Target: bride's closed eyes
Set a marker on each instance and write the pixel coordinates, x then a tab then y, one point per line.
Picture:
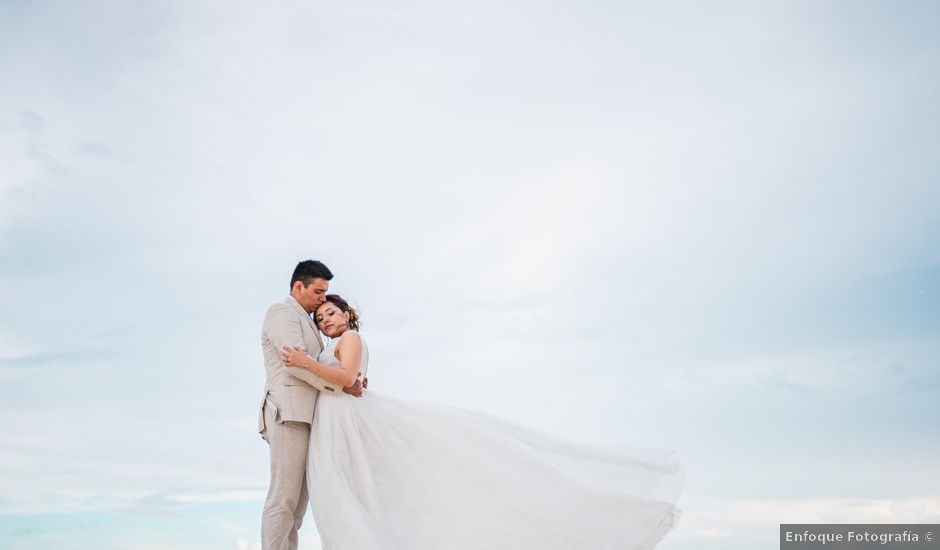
331	319
326	317
329	312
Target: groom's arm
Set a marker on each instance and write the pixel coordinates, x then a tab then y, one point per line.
283	328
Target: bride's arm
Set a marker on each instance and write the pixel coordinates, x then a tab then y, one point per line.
282	327
348	351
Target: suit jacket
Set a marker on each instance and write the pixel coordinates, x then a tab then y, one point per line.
292	391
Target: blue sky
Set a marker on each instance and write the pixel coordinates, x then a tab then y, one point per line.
711	229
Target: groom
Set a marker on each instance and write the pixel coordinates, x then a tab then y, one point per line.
290	395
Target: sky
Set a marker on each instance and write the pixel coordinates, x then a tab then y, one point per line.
704	227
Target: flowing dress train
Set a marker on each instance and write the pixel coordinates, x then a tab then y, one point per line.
391	474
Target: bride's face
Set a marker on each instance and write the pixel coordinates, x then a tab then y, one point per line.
331	320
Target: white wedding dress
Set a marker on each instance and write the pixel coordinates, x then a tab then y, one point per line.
389	474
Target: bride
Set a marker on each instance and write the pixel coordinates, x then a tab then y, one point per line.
389	474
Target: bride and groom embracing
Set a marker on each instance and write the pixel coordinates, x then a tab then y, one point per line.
390	474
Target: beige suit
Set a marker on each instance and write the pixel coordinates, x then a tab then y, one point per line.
285	417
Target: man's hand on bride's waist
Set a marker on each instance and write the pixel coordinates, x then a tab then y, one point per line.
356	389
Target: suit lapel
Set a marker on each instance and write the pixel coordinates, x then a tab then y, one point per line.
303	313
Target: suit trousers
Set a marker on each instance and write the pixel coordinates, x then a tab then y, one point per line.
287	499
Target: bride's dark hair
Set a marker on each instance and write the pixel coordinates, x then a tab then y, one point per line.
344	306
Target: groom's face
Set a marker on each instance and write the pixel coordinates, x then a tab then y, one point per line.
312	295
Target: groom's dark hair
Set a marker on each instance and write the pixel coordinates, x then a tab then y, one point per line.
308	270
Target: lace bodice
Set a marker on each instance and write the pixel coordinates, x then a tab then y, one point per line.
328	355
